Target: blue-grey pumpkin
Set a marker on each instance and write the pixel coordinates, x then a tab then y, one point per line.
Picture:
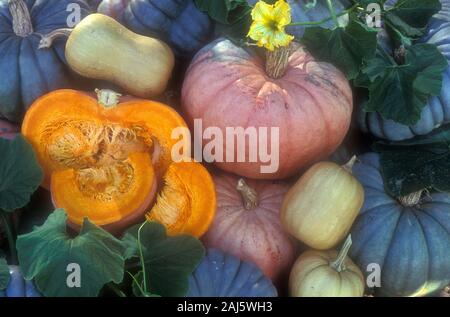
312	10
224	275
18	286
437	110
178	22
27	72
409	238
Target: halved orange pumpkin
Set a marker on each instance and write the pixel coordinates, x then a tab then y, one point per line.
97	153
187	202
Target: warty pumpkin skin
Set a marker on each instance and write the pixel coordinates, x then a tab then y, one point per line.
321	207
247	224
98	153
227	86
326	274
187	201
101	48
409	238
26	71
177	22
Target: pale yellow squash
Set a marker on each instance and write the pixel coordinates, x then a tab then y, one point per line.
322	206
326	274
99	47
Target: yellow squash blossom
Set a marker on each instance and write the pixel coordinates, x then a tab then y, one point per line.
269	22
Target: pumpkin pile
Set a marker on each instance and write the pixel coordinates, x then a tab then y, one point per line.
224	149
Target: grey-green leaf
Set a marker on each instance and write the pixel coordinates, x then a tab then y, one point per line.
20	173
417	164
346	48
399	92
50	256
168	260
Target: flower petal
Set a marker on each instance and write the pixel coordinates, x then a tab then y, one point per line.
262	12
282	13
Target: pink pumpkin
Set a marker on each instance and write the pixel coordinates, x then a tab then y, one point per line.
8	130
247	224
311	105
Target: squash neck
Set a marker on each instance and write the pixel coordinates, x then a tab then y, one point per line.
21	20
412	199
277	62
339	263
248	194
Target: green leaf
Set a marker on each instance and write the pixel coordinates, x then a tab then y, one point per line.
417	164
399	92
224	11
20	174
168	260
45	254
346	48
408	19
233	17
138	286
4	274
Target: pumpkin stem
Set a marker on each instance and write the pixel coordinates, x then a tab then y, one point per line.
107	98
400	55
21	20
48	39
412	199
249	195
277	61
339	264
349	165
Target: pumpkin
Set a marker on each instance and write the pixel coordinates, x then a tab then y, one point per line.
321	207
437	111
179	23
247	224
26	71
143	67
326	274
224	275
408	237
113	8
309	107
310	11
97	153
94	4
8	130
18	286
187	202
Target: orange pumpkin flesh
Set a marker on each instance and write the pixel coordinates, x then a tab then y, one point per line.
76	112
98	157
187	202
107	194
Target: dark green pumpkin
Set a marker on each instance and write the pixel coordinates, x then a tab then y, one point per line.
409	241
27	72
